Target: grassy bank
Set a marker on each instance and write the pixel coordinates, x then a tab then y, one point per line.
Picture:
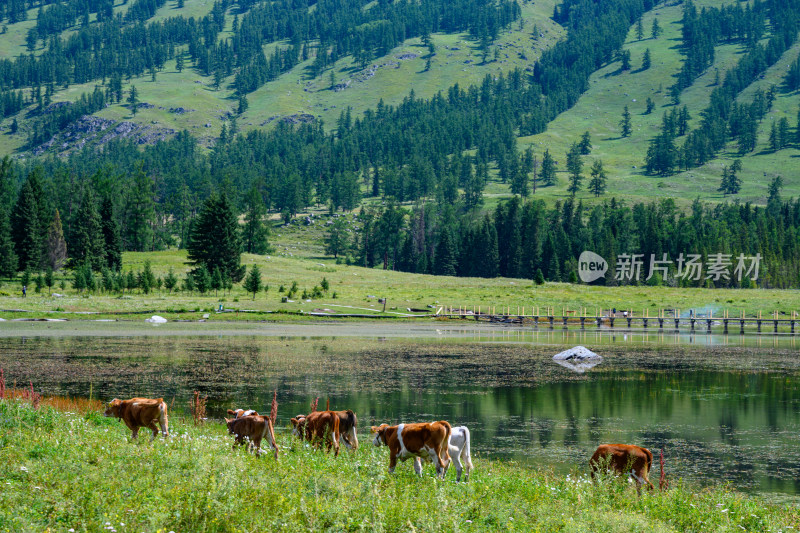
65	470
354	289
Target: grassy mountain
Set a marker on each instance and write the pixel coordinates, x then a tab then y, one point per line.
174	101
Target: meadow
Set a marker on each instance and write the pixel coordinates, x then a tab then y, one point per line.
355	289
65	467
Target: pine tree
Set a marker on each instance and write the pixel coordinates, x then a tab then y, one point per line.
56	247
639	29
548	169
139	212
88	245
179	62
170	280
28	223
625	123
133	100
214	238
575	169
445	256
655	32
243	104
646	59
216	280
337	241
252	282
774	141
147	280
783	133
597	185
8	257
586	144
254	231
111	237
649	106
202	279
625	58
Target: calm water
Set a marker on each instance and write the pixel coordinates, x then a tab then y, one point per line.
722	410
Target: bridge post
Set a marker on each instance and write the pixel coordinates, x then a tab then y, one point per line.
692	322
660	323
759	325
536	321
564	320
629	319
583	319
677	323
551	318
708	324
741	327
611	320
792	326
644	321
775	323
725	323
600	321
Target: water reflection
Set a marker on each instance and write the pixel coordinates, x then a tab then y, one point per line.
723	413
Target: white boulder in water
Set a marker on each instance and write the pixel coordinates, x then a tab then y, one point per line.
578	353
155	319
578	359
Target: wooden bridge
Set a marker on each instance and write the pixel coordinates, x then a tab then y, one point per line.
664	319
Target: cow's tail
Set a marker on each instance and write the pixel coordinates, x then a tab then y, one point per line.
465	454
163	419
444	457
271	431
335	436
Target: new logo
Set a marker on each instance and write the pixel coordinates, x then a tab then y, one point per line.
591	267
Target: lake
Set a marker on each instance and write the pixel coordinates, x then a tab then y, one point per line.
724	409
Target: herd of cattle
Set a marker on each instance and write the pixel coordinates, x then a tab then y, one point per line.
437	442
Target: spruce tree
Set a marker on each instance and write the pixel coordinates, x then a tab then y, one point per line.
252	282
655	32
216	280
254	231
111	237
88	246
445	258
639	29
27	223
575	169
774	142
337	240
214	238
783	132
597	185
8	257
139	212
133	100
586	144
548	169
649	106
170	280
625	123
646	59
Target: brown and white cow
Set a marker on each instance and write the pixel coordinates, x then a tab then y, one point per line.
319	427
624	459
424	439
140	412
239	413
253	428
348	423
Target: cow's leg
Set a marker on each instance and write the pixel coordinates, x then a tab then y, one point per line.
418	465
163	421
457	460
392	462
257	445
135	431
152	427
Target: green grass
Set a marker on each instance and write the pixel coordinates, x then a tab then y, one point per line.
66	471
360	288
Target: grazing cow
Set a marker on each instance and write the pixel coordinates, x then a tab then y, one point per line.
253	428
624	459
430	440
239	413
319	426
140	412
458	449
348	423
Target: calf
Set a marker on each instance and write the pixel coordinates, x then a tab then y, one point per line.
430	440
348	423
458	449
140	412
253	428
624	459
319	426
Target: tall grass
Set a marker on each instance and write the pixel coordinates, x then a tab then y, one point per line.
64	470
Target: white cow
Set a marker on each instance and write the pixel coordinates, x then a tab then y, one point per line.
458	449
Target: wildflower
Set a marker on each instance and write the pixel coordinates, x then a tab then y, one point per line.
24	469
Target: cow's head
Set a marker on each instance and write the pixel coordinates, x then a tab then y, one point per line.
239	413
112	409
380	434
298	423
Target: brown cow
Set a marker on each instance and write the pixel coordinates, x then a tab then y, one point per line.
624	459
253	428
416	440
319	426
140	412
348	423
